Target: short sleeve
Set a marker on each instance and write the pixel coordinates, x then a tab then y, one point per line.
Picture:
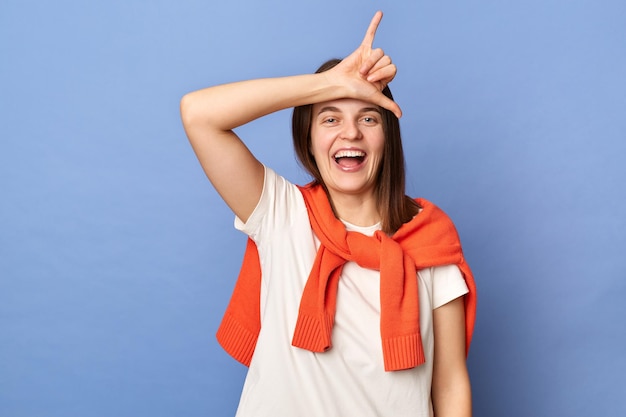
281	205
252	224
448	284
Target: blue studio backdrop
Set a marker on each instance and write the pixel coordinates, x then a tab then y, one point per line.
117	258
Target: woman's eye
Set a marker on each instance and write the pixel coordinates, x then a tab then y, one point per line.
330	120
369	119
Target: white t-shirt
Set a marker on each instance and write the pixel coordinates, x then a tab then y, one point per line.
349	379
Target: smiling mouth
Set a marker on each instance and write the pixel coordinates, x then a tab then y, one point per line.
349	158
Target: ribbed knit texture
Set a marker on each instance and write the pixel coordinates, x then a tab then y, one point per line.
240	326
430	239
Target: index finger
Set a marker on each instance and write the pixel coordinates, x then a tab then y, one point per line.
368	40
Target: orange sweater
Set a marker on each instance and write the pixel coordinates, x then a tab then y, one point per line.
429	239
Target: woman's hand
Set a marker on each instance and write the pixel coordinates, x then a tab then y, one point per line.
366	71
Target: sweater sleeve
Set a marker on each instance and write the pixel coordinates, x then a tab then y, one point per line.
241	324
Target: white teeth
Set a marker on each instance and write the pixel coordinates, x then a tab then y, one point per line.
349	154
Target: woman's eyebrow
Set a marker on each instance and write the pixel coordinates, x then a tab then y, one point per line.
369	109
338	110
329	108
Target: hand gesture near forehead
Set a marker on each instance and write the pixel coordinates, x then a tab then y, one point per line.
367	71
210	115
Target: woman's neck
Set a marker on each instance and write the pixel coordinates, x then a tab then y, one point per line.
358	210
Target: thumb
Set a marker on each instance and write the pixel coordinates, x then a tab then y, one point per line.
387	103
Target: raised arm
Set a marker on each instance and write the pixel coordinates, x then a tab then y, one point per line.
210	115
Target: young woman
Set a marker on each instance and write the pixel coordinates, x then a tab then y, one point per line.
353	299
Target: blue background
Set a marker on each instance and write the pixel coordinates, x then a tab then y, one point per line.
117	258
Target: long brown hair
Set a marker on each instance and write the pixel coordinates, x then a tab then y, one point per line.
394	207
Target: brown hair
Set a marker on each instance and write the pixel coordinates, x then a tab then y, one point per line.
394	207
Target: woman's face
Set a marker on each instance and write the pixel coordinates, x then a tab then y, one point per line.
347	141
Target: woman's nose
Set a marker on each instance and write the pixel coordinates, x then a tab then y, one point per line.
350	131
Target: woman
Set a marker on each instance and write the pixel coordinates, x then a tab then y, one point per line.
327	311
